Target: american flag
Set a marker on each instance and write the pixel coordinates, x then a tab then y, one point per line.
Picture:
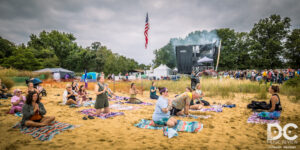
146	31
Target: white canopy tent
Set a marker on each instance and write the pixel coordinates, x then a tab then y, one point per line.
205	60
162	70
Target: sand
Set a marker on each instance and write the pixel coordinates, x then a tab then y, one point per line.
226	130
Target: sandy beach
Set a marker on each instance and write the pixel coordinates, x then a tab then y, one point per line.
225	130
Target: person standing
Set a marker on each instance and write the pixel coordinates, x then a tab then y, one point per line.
102	104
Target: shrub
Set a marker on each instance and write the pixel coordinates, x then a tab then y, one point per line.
7	81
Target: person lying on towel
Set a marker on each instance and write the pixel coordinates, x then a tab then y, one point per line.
181	104
34	112
133	91
70	96
161	115
17	102
275	105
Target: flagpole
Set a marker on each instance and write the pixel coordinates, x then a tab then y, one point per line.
219	53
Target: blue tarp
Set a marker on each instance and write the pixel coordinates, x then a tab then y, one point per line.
90	76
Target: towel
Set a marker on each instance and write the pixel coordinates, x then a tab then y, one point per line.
123	107
45	133
102	116
181	126
214	109
144	103
254	118
119	98
197	116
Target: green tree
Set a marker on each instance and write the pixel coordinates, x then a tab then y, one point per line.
267	46
165	55
22	59
6	49
292	52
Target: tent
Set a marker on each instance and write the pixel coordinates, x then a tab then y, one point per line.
58	73
162	70
91	76
205	60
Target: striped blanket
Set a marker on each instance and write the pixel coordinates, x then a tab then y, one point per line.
123	107
182	126
102	116
45	133
254	118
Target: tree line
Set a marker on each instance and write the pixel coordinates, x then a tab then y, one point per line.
271	44
59	49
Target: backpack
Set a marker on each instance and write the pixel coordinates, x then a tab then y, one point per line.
258	105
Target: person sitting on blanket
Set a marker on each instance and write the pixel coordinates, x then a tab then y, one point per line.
102	104
153	91
83	93
181	103
133	91
34	112
17	102
161	115
31	88
275	105
69	96
3	90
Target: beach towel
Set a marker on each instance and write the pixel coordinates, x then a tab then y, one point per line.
88	103
91	112
197	116
213	109
123	107
118	98
182	126
254	118
45	133
229	106
144	103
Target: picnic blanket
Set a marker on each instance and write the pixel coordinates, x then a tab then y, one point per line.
213	108
88	103
118	98
254	118
181	126
123	107
45	133
197	116
91	112
144	103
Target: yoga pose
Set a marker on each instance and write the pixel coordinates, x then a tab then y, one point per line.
69	96
161	115
75	86
133	91
153	91
275	105
34	111
82	93
181	103
101	105
17	102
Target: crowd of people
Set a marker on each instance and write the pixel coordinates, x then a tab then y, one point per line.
274	76
29	102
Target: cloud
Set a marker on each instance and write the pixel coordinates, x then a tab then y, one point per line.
119	24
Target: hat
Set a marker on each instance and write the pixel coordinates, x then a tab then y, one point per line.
16	91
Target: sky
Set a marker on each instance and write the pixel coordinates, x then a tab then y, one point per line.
119	24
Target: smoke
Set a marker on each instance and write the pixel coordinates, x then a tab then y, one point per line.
197	38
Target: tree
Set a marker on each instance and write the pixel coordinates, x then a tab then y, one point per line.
165	55
292	52
267	46
6	49
22	59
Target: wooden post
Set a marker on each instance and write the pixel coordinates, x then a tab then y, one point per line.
219	52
